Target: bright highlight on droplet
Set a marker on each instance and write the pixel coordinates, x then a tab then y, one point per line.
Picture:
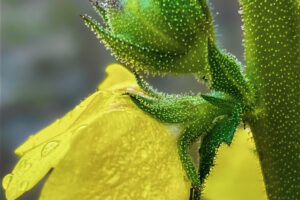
6	181
49	147
24	185
25	165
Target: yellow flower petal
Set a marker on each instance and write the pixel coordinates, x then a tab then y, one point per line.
107	148
34	164
117	77
48	147
237	174
125	154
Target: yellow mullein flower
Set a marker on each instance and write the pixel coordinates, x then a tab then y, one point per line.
104	148
107	148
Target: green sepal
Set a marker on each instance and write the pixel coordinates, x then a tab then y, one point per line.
171	108
199	125
220	101
144	23
193	16
126	50
146	87
226	75
157	36
132	54
100	10
223	131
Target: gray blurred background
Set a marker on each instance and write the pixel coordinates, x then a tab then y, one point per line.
50	61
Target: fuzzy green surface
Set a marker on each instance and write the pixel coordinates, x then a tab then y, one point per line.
272	59
157	36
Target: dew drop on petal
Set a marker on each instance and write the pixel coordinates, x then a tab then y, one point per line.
49	147
81	127
6	181
25	165
24	185
78	107
78	129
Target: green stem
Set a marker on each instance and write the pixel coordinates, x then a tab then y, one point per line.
272	60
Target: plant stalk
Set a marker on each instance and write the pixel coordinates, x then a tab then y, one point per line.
272	44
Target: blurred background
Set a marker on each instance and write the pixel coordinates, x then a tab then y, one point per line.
50	61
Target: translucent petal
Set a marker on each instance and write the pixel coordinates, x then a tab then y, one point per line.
106	148
125	154
237	174
44	150
117	77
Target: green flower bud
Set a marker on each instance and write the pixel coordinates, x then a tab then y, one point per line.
157	36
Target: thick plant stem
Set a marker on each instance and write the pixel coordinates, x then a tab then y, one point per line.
272	60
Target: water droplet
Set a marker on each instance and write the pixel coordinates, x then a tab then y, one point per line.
25	165
78	107
49	147
24	185
80	128
6	181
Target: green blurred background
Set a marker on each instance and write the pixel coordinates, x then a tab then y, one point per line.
50	61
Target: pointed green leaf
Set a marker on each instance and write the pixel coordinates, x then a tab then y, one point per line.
222	132
227	76
99	9
221	102
146	87
173	108
133	54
